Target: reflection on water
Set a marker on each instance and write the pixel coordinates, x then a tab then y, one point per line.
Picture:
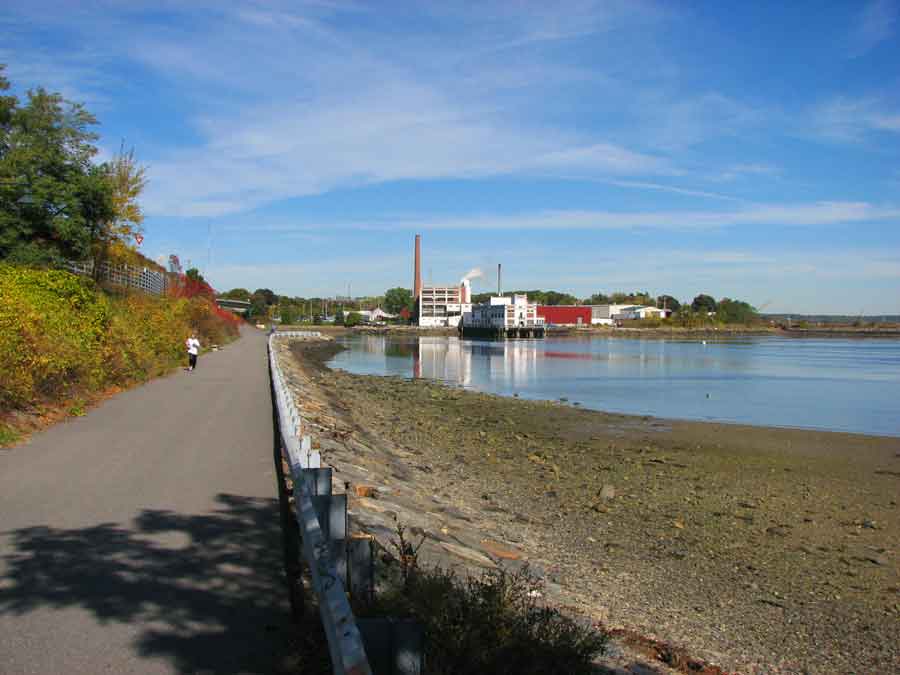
844	385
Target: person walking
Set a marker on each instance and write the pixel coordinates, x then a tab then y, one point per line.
193	348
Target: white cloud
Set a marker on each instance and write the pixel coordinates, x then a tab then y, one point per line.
816	214
778	280
392	130
887	122
673	189
295	103
851	119
737	171
674	124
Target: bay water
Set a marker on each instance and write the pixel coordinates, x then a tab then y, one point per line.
832	384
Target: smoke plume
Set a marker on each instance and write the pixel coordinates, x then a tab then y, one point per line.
474	273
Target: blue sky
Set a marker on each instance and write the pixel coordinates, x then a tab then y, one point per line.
749	150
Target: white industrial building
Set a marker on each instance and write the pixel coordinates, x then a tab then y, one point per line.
442	306
642	312
503	312
503	316
608	315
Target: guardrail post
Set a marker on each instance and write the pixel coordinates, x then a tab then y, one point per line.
394	646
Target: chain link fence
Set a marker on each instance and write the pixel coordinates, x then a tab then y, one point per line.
143	279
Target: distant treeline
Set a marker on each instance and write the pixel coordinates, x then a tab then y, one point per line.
841	319
702	310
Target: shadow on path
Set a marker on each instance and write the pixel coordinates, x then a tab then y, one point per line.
207	591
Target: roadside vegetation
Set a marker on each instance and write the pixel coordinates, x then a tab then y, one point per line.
64	340
67	339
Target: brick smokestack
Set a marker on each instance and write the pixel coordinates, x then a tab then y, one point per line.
417	281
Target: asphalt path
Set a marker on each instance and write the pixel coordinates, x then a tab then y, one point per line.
144	537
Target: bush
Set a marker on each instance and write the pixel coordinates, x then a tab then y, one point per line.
61	336
491	624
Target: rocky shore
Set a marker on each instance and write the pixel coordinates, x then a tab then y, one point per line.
701	546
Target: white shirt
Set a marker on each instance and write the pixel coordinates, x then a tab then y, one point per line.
193	346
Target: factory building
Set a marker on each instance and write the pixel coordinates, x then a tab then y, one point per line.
438	306
501	316
565	315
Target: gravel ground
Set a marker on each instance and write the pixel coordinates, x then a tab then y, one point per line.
757	550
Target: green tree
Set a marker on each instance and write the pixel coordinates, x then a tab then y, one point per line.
194	275
552	298
339	316
289	314
236	294
704	303
114	236
597	299
634	298
353	319
97	206
258	307
267	295
668	302
736	311
395	299
51	195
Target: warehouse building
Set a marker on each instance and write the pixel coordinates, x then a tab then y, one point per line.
565	315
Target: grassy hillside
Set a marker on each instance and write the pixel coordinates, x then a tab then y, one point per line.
62	338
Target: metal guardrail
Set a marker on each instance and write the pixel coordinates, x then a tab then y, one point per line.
345	643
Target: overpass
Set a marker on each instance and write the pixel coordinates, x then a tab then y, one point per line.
236	306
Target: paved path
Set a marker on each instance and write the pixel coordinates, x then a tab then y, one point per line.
143	537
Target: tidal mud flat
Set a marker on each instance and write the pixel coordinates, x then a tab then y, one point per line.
752	548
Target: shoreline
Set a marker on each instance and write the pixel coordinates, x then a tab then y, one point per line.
626	332
737	427
746	546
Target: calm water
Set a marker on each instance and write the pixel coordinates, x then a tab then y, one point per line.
839	385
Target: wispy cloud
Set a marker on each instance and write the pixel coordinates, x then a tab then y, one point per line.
737	171
851	119
793	215
386	129
875	24
659	187
816	214
673	124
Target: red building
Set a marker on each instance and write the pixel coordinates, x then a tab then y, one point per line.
565	315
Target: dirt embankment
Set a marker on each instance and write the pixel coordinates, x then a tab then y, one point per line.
756	549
